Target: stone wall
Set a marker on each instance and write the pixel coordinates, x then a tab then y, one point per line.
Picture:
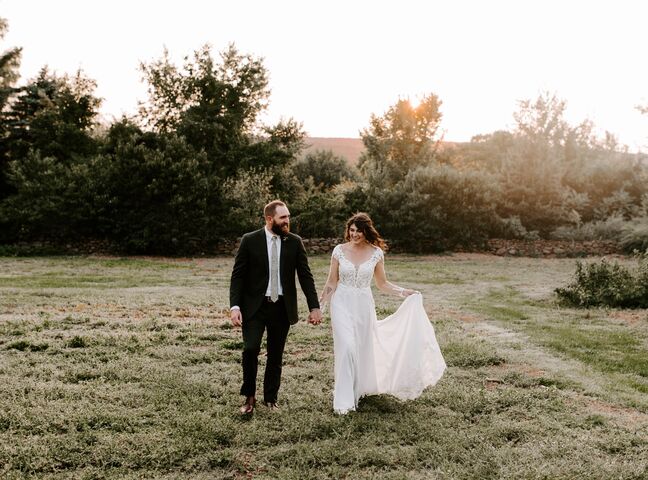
225	247
321	245
552	248
501	247
313	246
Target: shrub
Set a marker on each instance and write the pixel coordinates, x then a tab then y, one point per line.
512	227
634	235
608	284
320	213
435	208
609	229
156	194
324	168
244	197
52	199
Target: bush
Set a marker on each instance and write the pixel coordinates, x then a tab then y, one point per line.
512	227
325	169
29	250
244	197
435	208
609	229
157	193
613	182
634	235
320	213
607	284
52	199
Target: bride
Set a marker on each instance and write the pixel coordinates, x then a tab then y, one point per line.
398	355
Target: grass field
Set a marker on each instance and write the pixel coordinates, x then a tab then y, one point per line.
128	368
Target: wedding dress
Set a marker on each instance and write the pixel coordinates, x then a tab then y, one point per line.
399	355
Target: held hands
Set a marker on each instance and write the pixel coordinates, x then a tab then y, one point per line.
315	316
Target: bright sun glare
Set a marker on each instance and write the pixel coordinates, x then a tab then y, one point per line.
414	102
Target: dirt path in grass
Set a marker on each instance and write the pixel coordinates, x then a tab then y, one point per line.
596	392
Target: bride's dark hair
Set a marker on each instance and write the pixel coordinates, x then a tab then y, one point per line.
363	223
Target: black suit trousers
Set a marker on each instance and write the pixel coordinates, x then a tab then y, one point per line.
273	318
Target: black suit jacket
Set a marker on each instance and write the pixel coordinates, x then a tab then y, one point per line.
250	274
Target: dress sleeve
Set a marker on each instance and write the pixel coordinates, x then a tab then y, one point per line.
379	254
336	252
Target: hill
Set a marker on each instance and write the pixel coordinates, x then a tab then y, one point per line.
349	148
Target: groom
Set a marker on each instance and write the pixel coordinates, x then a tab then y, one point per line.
263	297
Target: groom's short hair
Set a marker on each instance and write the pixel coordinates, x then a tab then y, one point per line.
270	209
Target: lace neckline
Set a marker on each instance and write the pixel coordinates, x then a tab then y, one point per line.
361	263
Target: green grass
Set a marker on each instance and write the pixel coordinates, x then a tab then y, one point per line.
137	376
608	349
592	339
472	354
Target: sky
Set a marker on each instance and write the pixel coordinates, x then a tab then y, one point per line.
334	63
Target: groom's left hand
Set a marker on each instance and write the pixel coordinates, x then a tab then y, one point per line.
315	316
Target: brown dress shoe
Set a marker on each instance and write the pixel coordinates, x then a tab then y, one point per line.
248	407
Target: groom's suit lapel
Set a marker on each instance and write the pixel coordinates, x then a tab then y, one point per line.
263	245
285	244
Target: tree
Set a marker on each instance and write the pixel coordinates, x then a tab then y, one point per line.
50	200
484	152
542	120
49	144
9	64
53	115
324	168
215	106
403	138
532	163
417	203
155	191
229	94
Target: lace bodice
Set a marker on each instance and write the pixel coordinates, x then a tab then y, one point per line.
358	276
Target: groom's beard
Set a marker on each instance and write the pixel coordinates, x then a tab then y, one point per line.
280	229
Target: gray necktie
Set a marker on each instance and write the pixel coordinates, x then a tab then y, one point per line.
274	272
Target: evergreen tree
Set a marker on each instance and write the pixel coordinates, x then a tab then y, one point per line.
9	64
49	145
54	116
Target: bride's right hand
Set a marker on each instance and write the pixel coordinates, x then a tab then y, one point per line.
406	292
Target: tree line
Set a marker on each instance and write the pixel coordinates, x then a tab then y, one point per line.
195	166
